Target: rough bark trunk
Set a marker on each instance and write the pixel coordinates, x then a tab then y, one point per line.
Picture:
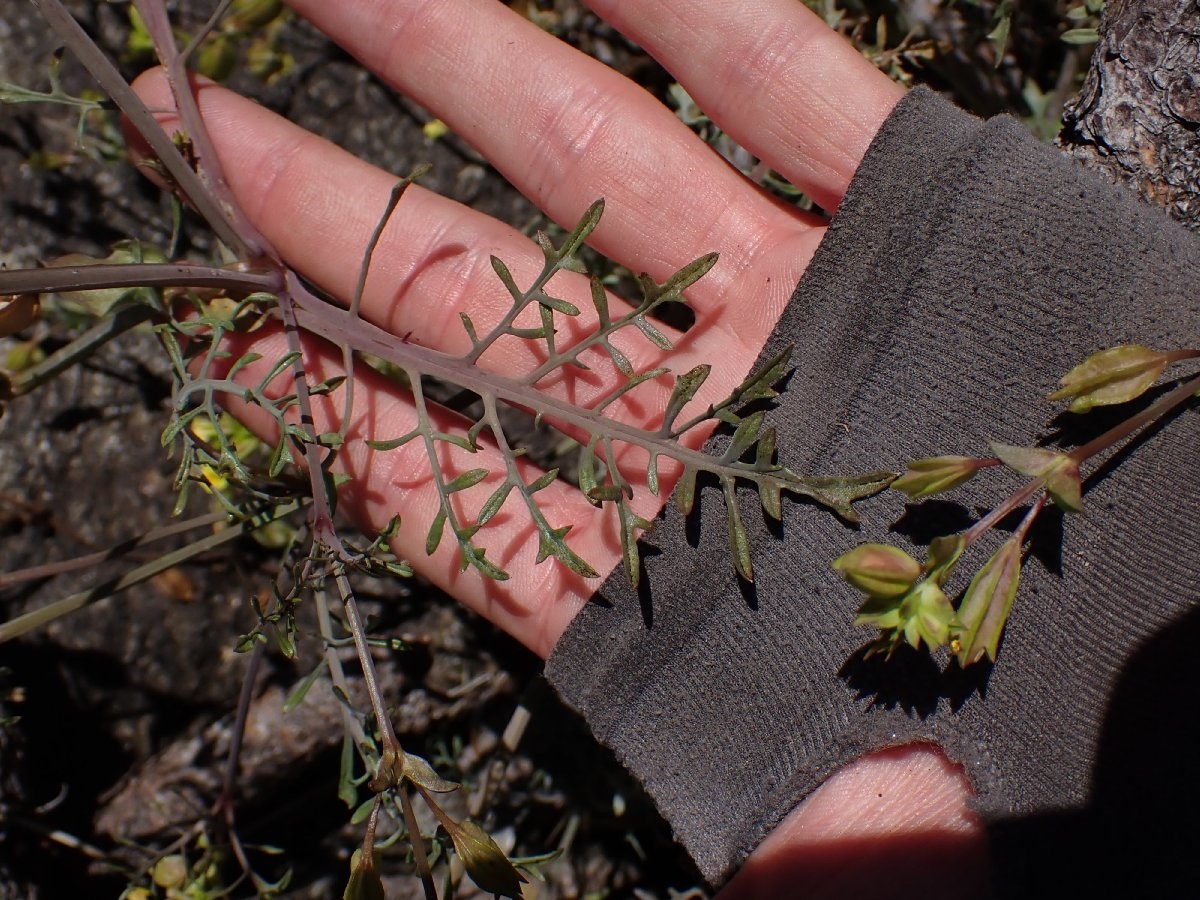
1137	118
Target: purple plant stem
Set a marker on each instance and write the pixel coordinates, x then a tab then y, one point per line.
103	276
154	15
143	120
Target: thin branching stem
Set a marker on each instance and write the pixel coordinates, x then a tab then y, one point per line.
504	326
552	543
428	436
226	805
314	454
368	844
335	324
38	617
337	674
1026	523
250	243
1097	445
51	570
130	275
360	286
355	623
1119	432
596	338
57	835
82	347
418	845
226	801
323	530
200	36
143	120
1012	502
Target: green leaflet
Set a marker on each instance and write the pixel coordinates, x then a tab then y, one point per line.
685	389
631	524
1116	375
739	542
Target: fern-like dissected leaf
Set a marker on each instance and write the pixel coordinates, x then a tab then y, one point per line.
748	457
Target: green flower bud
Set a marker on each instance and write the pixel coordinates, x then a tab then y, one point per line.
483	859
1066	487
170	872
927	615
985	607
365	882
266	61
879	571
1115	375
936	475
21	356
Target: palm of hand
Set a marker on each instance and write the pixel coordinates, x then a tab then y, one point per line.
565	130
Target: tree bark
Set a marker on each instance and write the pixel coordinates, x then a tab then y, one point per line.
1137	118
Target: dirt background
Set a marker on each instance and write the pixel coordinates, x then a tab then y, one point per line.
117	719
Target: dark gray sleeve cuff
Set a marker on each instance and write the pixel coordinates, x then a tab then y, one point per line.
968	268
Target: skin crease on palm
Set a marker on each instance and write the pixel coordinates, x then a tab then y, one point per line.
565	130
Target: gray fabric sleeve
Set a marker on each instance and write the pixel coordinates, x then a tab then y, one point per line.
968	268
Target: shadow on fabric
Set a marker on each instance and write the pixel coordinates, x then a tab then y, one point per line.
1139	834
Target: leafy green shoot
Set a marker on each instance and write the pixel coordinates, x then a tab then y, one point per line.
905	600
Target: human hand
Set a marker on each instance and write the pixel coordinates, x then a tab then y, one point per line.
565	130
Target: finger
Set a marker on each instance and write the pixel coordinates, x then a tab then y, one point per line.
774	76
318	205
565	130
538	600
883	827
